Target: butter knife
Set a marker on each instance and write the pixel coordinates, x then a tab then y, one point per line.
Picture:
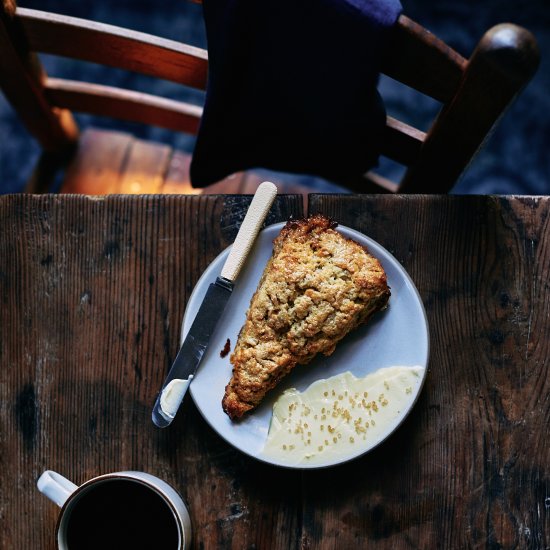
217	295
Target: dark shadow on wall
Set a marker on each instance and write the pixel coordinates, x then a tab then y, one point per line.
514	160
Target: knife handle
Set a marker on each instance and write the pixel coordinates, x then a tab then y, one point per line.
255	216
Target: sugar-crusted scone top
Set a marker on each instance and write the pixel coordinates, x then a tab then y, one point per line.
316	287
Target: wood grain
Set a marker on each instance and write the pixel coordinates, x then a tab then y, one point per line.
470	467
123	104
114	46
92	294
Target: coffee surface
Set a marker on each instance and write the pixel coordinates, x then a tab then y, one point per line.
118	514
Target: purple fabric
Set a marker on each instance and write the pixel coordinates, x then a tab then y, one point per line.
292	87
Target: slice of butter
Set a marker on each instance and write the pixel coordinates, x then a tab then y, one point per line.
172	396
341	416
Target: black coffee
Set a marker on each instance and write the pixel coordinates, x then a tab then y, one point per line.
117	514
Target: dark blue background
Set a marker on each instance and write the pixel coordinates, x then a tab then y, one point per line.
516	158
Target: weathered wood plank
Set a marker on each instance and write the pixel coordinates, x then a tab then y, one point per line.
470	467
94	291
92	294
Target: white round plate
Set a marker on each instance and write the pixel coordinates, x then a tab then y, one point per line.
396	336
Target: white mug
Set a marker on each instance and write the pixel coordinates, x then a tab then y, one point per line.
118	510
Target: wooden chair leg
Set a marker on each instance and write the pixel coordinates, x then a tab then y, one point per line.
21	80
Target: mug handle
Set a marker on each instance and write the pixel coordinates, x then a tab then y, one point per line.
56	487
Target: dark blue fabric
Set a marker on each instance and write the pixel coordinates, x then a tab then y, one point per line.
292	87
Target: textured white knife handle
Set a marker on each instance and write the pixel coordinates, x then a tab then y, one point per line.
255	216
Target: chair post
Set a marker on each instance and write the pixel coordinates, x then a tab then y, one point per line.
21	80
503	62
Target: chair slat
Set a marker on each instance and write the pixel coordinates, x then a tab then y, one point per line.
402	142
123	104
114	46
422	61
375	183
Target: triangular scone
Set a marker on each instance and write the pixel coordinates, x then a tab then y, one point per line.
316	287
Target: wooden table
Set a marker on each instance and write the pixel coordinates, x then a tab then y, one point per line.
92	294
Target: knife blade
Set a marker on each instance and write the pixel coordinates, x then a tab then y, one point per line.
195	344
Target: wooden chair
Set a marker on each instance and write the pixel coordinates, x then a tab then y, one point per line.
474	93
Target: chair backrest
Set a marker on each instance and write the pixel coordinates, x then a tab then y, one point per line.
474	92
